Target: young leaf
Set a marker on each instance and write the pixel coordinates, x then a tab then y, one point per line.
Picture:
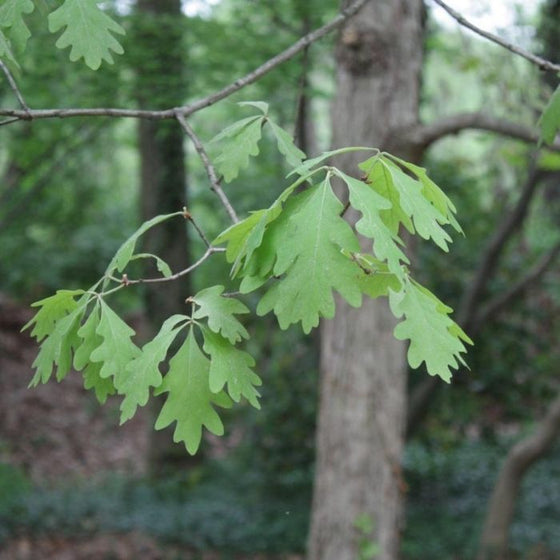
11	20
189	400
126	250
308	164
434	337
369	203
162	266
89	31
431	192
260	105
549	121
294	156
231	366
237	148
309	252
221	313
116	350
52	309
6	51
142	372
376	279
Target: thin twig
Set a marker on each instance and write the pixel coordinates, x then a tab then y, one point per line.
542	63
494	306
125	281
210	171
187	110
14	87
201	234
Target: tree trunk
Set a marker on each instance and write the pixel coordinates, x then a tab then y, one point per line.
495	533
363	369
160	84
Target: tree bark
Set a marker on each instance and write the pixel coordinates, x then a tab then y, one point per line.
363	368
495	532
160	83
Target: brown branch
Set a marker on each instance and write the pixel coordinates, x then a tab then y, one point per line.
542	63
210	171
489	261
423	136
201	234
187	110
494	540
496	305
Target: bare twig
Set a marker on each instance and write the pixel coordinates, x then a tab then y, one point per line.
542	63
126	281
489	262
494	306
14	86
210	171
187	110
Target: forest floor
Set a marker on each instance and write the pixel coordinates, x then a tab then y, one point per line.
58	433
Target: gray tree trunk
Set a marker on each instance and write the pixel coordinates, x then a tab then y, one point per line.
495	533
363	370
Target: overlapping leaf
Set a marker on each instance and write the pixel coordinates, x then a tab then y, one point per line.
142	372
190	403
310	258
238	142
116	350
232	367
88	30
434	337
221	312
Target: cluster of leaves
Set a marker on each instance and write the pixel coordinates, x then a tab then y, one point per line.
77	328
297	252
85	27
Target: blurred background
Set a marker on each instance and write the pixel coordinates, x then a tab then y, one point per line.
73	484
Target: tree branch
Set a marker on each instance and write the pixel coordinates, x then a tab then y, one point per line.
210	171
542	63
423	136
489	261
187	110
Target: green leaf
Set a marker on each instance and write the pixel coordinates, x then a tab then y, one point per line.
142	372
426	217
221	312
549	121
377	279
260	105
294	156
370	204
309	253
6	50
89	31
237	147
116	350
434	338
231	366
379	178
56	350
52	309
308	164
432	192
11	20
189	401
124	255
102	386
